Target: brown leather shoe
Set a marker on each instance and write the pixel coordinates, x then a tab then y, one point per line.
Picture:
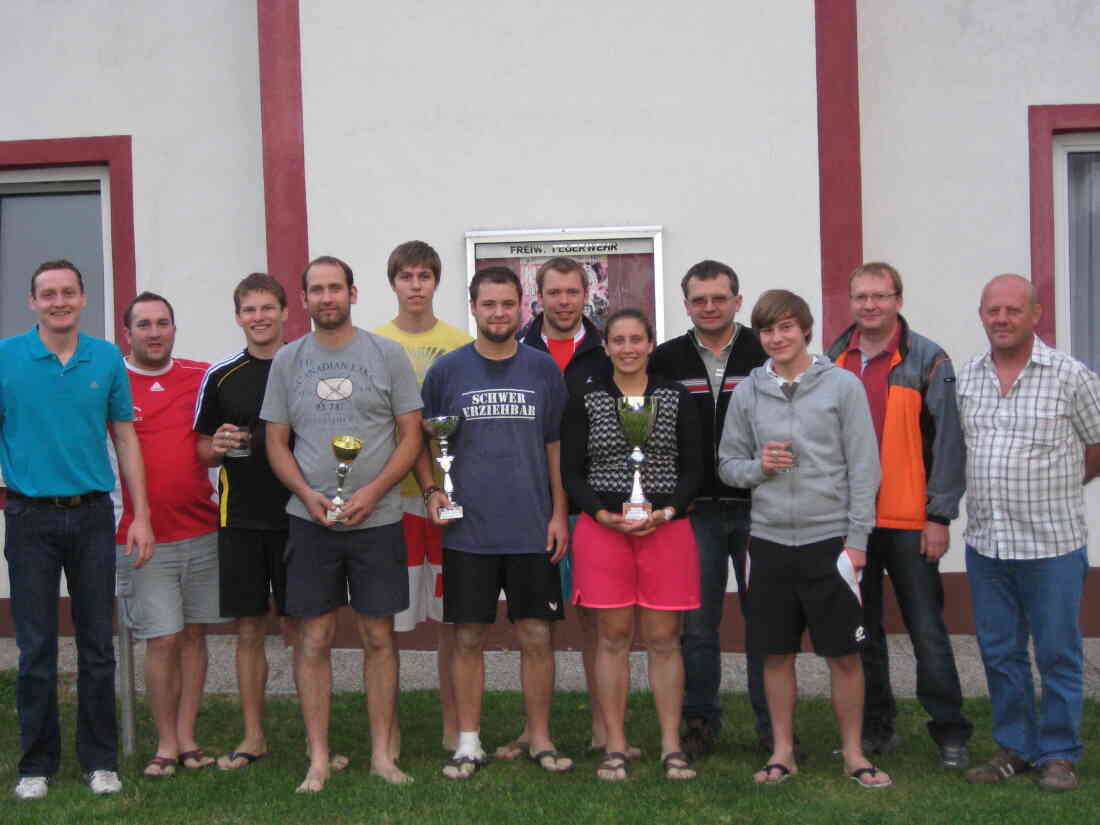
1004	765
1057	775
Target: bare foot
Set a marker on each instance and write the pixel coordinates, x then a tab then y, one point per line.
773	773
612	767
195	759
779	767
462	767
516	749
242	756
677	765
160	767
314	782
391	773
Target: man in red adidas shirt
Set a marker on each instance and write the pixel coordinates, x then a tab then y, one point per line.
170	600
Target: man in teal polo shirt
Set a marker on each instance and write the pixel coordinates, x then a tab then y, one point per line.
59	389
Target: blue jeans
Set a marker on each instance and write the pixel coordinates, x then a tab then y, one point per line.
721	533
42	540
1040	597
919	591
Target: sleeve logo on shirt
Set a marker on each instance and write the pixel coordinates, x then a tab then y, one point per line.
334	389
500	404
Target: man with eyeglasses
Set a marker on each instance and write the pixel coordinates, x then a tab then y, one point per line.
910	386
710	359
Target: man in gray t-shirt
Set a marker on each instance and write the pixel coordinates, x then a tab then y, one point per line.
342	381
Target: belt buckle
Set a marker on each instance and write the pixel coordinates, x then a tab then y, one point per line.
68	502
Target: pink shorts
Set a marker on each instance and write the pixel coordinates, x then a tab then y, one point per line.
659	571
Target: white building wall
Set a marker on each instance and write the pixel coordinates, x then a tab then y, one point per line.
183	80
944	91
425	121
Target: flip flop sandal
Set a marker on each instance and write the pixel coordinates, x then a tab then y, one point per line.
197	755
613	761
784	774
462	767
538	758
166	764
676	761
233	756
859	776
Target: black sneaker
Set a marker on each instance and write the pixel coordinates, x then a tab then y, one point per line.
699	740
955	757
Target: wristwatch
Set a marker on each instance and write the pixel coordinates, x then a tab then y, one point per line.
670	513
428	494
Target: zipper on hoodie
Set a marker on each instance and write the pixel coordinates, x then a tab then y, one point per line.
792	498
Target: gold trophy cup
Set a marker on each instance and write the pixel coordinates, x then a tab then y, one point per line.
637	415
345	448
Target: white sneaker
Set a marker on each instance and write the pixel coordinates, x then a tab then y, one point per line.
31	787
104	782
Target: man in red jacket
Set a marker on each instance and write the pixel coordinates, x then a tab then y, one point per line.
910	386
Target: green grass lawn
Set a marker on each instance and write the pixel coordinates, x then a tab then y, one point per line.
519	793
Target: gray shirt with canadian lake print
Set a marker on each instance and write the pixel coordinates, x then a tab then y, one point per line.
357	390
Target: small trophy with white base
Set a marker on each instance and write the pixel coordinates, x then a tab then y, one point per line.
442	427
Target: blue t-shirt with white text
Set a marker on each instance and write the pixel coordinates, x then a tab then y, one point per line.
510	410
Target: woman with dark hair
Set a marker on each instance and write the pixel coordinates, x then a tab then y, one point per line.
630	569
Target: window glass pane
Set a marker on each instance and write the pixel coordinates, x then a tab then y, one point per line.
39	227
1084	255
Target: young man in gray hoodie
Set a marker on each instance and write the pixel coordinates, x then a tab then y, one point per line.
799	434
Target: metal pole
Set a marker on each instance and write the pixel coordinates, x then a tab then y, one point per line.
126	683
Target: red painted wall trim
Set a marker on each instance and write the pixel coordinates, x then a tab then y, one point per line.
841	196
284	151
114	152
1043	123
567	635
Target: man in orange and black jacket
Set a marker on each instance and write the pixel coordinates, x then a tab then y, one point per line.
910	386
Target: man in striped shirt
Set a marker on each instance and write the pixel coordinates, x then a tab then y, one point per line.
1031	419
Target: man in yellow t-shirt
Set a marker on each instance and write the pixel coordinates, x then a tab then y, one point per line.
414	271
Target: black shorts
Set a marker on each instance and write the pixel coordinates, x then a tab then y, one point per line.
472	583
792	588
251	566
323	565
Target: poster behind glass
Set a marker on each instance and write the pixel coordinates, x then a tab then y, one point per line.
622	271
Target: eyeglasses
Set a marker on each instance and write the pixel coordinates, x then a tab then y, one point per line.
873	297
717	301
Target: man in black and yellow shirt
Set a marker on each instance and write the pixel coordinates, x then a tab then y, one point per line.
252	525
